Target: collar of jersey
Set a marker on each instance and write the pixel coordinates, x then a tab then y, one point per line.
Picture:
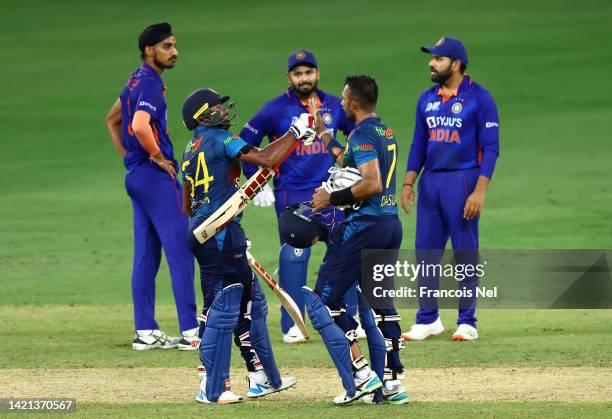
462	87
370	120
150	71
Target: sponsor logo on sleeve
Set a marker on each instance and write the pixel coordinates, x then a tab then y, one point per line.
363	147
148	105
250	128
230	138
491	124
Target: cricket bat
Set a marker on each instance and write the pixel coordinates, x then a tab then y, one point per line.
233	206
281	294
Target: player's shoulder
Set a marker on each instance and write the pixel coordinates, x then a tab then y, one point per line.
479	90
277	102
431	91
329	98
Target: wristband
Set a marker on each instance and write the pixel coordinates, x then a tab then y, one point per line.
342	197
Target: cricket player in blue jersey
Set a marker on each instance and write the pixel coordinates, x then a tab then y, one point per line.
374	224
233	301
138	129
456	144
302	172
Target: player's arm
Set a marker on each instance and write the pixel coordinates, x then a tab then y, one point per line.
369	185
416	159
113	125
275	152
141	127
253	133
488	140
187	199
334	147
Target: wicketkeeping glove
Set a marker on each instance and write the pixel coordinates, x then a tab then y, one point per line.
265	198
303	129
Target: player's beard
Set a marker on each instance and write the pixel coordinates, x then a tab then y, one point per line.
169	64
305	89
441	76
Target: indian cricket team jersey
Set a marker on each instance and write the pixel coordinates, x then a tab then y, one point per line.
306	167
144	91
456	132
211	169
371	139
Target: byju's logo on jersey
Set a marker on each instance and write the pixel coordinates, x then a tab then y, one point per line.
432	106
443	121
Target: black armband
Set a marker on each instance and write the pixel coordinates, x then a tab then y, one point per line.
334	143
245	150
342	197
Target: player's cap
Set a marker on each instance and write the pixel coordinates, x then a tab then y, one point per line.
197	103
301	56
300	228
153	34
448	47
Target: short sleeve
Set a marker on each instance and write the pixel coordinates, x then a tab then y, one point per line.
362	148
232	144
151	97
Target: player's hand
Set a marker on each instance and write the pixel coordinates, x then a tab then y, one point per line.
318	121
303	129
265	198
407	198
473	205
320	199
166	165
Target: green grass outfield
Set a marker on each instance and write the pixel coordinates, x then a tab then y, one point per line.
65	220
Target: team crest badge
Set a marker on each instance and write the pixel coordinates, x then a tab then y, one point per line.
456	108
298	252
327	118
300	55
440	42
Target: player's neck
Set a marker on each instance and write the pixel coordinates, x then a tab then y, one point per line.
453	83
154	66
360	116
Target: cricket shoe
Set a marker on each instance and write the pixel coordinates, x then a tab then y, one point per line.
294	335
227	397
393	392
363	387
465	332
189	340
423	331
153	339
259	385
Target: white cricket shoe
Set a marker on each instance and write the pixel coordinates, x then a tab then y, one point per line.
465	332
363	387
189	340
153	339
294	335
227	397
259	385
423	331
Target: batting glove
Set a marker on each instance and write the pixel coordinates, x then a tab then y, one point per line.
265	198
303	129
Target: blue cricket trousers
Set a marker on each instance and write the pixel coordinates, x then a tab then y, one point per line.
440	204
159	221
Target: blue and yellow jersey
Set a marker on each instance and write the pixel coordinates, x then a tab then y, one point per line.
306	167
371	139
144	91
211	169
456	132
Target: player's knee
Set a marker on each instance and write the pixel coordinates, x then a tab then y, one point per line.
292	254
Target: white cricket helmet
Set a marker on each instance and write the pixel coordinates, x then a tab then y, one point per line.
342	178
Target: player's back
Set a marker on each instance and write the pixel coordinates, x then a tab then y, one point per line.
372	139
210	168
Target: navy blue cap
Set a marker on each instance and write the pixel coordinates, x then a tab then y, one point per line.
301	56
448	47
198	102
